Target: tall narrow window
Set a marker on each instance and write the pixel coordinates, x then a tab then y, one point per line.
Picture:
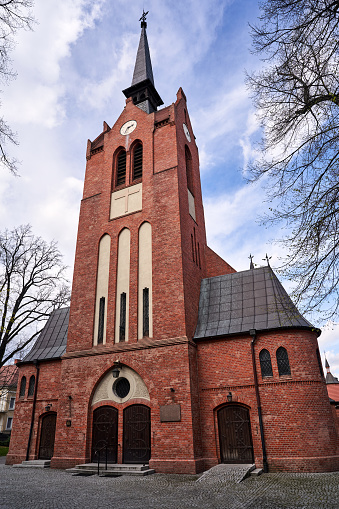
188	159
145	311
31	386
137	162
11	404
22	387
192	242
265	363
122	328
101	321
319	363
121	168
283	362
199	256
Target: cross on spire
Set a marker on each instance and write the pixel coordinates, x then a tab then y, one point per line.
143	19
251	262
267	258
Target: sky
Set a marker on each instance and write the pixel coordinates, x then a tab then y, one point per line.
71	70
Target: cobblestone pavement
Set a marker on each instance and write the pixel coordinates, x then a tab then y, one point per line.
55	489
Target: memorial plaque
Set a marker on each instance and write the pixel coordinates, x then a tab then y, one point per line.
170	413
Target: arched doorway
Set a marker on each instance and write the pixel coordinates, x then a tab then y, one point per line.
137	434
235	434
105	433
47	436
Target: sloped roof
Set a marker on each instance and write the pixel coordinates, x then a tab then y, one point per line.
9	376
330	379
251	299
333	391
52	342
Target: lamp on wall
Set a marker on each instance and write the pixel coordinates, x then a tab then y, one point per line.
116	369
229	397
48	407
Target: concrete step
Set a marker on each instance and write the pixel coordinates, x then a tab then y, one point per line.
257	471
34	464
113	470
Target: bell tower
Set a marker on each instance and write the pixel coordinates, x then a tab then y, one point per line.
141	246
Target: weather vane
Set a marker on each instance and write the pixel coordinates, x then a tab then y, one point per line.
143	17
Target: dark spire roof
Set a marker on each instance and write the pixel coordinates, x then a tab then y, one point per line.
252	299
327	366
142	89
330	379
52	341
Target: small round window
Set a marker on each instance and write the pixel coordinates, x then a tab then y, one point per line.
121	387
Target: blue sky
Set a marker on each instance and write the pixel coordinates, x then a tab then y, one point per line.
71	71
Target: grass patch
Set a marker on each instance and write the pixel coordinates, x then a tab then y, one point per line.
3	450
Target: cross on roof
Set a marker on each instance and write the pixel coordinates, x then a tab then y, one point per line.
267	258
251	262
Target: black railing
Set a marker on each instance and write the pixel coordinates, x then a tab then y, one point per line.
98	453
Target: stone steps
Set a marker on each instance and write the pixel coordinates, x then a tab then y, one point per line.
257	471
113	470
34	464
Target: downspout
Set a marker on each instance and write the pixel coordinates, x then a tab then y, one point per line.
253	333
33	408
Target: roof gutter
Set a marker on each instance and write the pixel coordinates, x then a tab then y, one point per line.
36	362
253	334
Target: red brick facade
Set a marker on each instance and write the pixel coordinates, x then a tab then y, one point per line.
300	431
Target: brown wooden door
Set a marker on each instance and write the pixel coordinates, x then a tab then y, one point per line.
47	437
137	434
105	433
235	435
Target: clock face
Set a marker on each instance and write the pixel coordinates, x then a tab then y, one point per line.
186	131
128	127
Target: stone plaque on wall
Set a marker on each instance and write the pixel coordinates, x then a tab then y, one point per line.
170	413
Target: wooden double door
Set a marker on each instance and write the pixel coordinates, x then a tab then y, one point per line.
136	434
235	436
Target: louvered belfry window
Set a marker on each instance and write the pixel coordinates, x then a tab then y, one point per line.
189	175
145	306
101	320
265	363
283	362
121	168
122	328
137	162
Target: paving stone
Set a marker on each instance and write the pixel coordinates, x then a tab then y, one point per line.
55	489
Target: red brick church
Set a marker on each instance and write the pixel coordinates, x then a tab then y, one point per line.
167	355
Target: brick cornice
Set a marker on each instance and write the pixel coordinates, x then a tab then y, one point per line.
263	385
143	344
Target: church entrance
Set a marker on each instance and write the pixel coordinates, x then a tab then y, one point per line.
47	437
137	434
105	433
235	434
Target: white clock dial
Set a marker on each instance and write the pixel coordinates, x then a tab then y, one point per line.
186	131
128	127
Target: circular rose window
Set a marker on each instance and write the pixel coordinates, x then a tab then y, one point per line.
121	387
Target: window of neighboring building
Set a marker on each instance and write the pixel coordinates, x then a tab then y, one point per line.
11	404
9	422
121	168
31	386
265	363
22	387
283	362
137	162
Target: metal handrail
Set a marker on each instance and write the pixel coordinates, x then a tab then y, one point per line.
98	451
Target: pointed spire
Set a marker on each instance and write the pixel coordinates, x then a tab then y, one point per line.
327	366
142	89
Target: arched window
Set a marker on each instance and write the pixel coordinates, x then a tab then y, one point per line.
121	168
188	159
31	386
22	387
137	162
283	362
265	363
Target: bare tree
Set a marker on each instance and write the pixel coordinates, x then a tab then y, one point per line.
14	15
32	285
297	100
